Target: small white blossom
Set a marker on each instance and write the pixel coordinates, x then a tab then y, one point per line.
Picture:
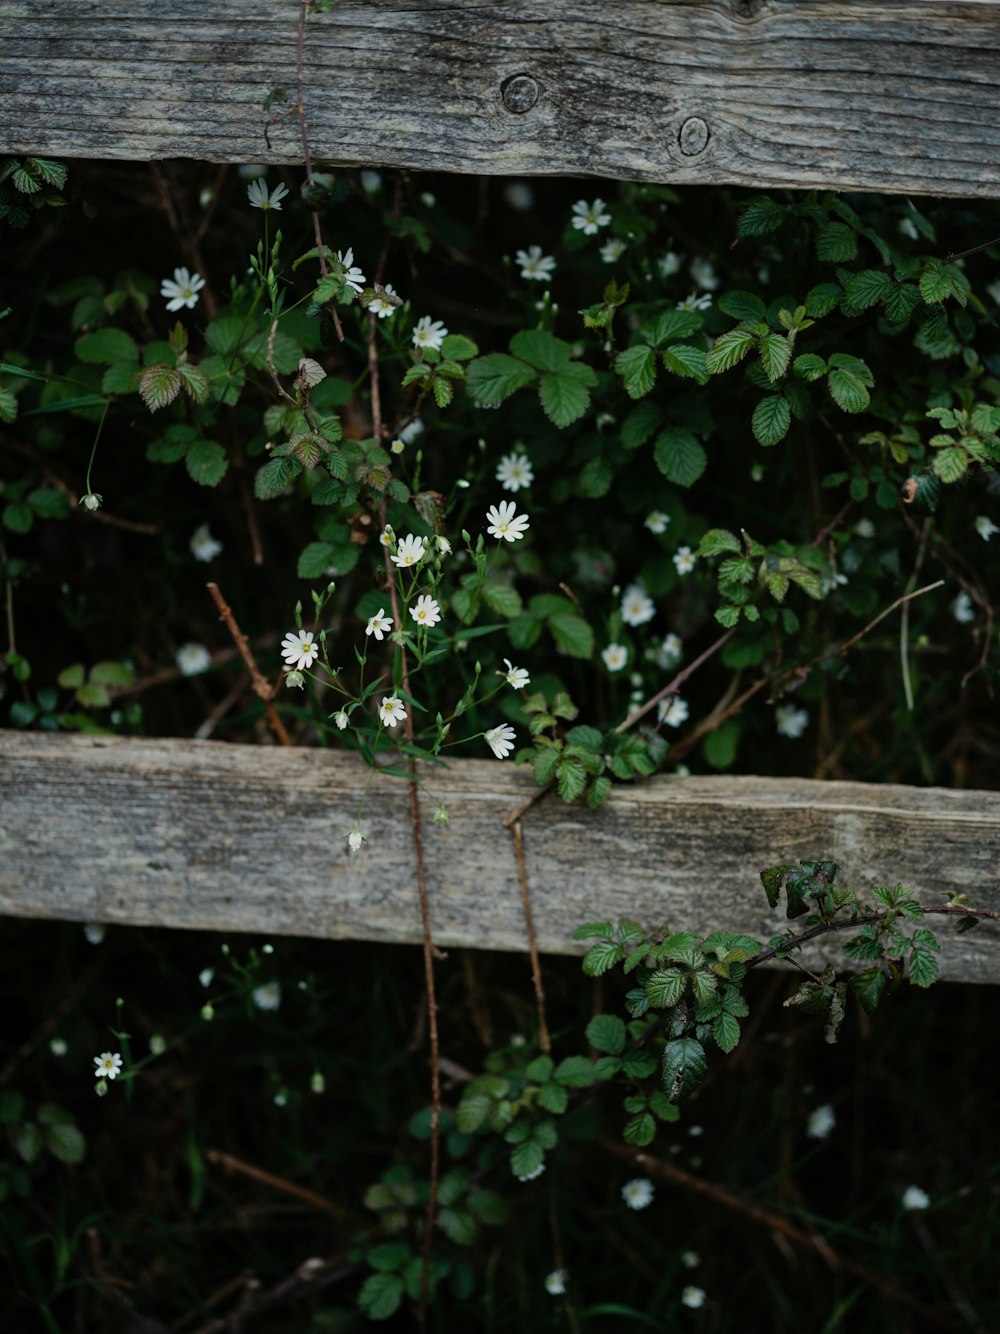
387	536
693	1297
317	1084
94	932
205	976
108	1065
669	264
353	277
696	1131
341	719
612	249
962	609
821	1122
555	1283
695	302
441	814
534	264
410	551
295	681
915	1198
690	1259
193	659
267	996
410	433
384	302
589	218
672	647
907	227
248	171
203	545
519	195
864	528
299	649
517	677
704	274
790	721
515	471
657	522
260	197
91	501
502	523
500	740
58	1046
443	546
355	839
183	290
429	333
378	625
397	447
672	712
425	611
391	710
615	657
985	527
370	181
638	1194
684	560
637	606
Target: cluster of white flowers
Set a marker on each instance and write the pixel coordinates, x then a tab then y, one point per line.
693	1297
695	302
670	650
962	609
409	551
555	1283
384	302
425	611
612	249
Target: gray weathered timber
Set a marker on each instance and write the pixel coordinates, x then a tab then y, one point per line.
902	95
246	838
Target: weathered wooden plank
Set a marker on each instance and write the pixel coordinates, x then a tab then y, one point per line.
901	95
245	838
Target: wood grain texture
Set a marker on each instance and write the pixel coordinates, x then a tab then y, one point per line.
247	838
901	95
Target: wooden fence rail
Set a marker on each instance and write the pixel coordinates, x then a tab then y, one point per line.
247	838
901	95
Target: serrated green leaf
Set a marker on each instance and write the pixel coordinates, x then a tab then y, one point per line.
106	346
742	306
726	1032
640	424
573	634
640	1130
381	1295
493	378
836	243
775	355
275	475
565	397
195	383
760	216
315	559
606	1032
601	957
679	456
665	987
575	1072
684	1067
809	367
935	285
159	386
48	503
526	1157
637	367
206	463
541	349
950	464
822	299
686	360
867	288
503	598
65	1142
771	419
900	301
717	540
847	390
571	778
670	325
728	349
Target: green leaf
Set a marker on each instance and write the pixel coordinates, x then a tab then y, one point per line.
900	302
571	778
742	306
159	386
641	1130
640	424
575	1072
48	503
717	540
950	463
206	463
526	1157
822	299
935	285
106	346
726	1032
670	325
637	367
679	456
492	379
275	475
601	957
64	1141
607	1033
381	1295
760	216
809	367
18	517
665	987
195	382
314	559
684	1067
848	390
503	598
686	360
729	349
572	633
836	243
566	396
112	673
867	288
554	1098
775	355
456	347
457	1225
771	419
541	349
8	405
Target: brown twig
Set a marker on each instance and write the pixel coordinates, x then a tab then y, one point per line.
672	686
260	686
229	1163
544	1041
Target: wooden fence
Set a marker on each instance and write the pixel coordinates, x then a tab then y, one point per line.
806	93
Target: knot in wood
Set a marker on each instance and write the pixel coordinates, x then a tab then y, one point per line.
747	9
519	93
693	136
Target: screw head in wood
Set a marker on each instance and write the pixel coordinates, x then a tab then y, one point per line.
519	93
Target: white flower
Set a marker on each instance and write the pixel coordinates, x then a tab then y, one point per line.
94	932
669	264
704	274
391	710
638	1194
821	1122
193	659
443	546
519	195
370	181
693	1297
684	560
58	1046
514	471
259	197
672	712
157	1044
516	676
612	249
502	523
657	522
385	301
410	551
410	433
203	545
425	611
555	1283
907	227
378	625
985	527
864	528
386	536
353	277
637	606
535	265
695	302
962	609
790	721
690	1259
500	740
429	333
246	171
341	719
915	1198
183	290
696	1131
299	649
615	657
397	447
91	501
587	218
267	996
108	1064
672	647
355	839
295	681
205	976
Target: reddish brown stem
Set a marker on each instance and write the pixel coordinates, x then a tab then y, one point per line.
260	686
